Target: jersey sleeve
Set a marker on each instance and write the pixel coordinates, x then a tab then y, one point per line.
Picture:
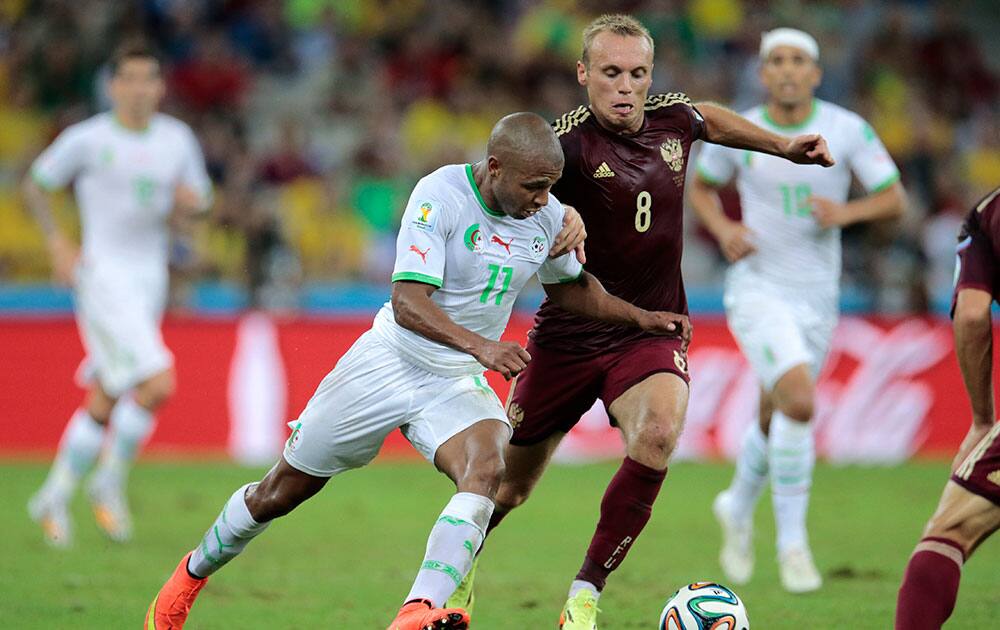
424	232
716	164
62	160
975	264
193	172
870	161
565	268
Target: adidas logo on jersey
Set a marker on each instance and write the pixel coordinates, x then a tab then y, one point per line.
603	171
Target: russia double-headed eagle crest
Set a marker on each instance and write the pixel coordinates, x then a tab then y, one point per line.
672	152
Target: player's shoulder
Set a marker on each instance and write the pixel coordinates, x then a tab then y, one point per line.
94	126
571	122
838	117
445	187
662	103
171	125
990	204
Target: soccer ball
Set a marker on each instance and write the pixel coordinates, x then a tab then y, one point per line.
704	606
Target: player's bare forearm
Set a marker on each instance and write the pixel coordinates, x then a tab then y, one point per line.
726	127
885	204
587	296
973	328
705	200
37	200
414	310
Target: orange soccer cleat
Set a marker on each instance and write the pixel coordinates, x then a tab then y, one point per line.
420	615
170	607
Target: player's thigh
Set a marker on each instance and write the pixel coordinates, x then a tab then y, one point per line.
365	397
964	517
553	393
767	331
462	413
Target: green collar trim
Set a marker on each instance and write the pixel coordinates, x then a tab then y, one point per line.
479	197
812	114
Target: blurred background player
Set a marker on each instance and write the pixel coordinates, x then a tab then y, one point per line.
625	163
471	237
969	510
131	168
782	291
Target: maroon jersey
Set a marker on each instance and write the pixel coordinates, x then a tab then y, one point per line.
629	189
978	265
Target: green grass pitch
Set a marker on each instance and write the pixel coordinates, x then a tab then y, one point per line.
346	558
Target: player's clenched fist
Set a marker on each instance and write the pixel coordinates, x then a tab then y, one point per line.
666	323
810	148
506	357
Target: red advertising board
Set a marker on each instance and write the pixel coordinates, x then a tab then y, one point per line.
891	389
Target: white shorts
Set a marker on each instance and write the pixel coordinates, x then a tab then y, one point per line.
778	328
373	390
119	321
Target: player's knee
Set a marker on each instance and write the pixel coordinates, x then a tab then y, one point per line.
960	532
484	478
157	390
799	406
657	439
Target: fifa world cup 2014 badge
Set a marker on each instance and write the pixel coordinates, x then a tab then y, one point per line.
426	218
672	152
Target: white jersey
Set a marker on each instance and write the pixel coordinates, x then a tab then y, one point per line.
477	257
792	249
124	185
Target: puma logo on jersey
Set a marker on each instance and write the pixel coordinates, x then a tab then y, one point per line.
603	171
423	254
499	241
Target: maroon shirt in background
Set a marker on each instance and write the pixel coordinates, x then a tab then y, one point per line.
978	249
629	189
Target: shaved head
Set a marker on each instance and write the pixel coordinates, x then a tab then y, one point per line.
525	141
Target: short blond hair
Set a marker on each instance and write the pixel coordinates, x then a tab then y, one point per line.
617	23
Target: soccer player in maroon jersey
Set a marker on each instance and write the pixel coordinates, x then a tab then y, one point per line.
626	156
969	510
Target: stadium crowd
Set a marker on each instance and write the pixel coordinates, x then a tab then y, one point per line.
317	116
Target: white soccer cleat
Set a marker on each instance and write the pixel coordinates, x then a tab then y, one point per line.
107	498
736	556
53	517
798	571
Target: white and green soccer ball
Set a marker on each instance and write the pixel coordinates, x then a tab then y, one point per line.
704	606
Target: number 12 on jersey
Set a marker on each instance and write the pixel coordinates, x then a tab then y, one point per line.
508	275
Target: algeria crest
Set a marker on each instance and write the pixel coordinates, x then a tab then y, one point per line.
672	152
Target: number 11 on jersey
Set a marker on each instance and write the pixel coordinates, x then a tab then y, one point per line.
508	275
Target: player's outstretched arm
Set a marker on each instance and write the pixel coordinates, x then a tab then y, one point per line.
726	127
414	310
63	252
586	296
973	329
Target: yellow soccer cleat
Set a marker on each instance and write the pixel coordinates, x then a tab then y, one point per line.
580	612
465	595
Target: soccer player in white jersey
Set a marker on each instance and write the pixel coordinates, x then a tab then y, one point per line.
781	292
471	237
131	168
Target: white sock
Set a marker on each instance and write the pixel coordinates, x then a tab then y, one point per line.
78	448
452	545
225	539
578	585
792	458
751	473
131	424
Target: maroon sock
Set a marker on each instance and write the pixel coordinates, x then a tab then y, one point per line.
625	509
930	585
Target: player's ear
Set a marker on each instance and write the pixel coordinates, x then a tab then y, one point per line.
581	73
817	75
493	166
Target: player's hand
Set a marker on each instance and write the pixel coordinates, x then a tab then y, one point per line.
736	241
810	148
571	237
976	433
187	201
506	357
829	213
65	255
667	323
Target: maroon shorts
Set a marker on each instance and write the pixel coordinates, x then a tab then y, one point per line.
558	387
980	472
